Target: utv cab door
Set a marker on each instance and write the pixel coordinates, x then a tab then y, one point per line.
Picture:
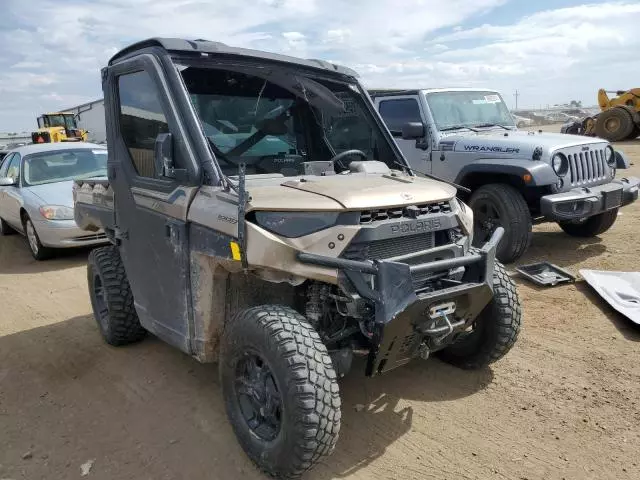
397	111
150	207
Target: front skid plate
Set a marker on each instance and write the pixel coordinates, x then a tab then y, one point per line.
398	340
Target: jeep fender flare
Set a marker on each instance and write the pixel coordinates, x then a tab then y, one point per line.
541	173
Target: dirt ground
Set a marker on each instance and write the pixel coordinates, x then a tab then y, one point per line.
564	404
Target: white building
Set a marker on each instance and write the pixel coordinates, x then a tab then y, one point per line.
90	116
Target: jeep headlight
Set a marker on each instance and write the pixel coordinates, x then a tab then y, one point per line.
465	217
295	224
56	212
610	156
560	164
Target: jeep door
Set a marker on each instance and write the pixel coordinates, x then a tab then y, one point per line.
396	111
151	206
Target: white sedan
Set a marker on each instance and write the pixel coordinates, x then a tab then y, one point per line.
36	197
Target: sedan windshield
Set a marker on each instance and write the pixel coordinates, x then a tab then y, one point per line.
63	165
465	109
276	120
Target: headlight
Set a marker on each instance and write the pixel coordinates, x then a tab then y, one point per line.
610	156
56	212
560	164
296	224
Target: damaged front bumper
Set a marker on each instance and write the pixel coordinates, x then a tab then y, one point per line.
402	317
588	201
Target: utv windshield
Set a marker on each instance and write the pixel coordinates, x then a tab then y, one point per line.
275	120
452	110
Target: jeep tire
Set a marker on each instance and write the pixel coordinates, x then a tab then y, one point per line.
502	205
591	226
494	331
280	389
111	297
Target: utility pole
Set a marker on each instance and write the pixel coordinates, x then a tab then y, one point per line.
517	94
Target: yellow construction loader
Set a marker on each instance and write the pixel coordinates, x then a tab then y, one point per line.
58	127
620	116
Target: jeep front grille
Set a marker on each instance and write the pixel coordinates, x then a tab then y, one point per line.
410	211
587	167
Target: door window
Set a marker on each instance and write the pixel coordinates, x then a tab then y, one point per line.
142	119
13	167
398	112
5	165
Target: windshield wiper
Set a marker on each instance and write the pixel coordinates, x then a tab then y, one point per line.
457	127
491	125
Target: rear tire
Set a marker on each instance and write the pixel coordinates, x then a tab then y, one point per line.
495	331
615	124
502	205
39	251
592	226
111	297
287	416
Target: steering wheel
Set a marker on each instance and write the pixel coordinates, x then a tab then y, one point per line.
347	153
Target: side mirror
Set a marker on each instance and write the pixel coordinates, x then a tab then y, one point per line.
8	182
413	131
416	131
164	160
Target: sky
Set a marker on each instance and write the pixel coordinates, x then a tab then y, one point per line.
550	51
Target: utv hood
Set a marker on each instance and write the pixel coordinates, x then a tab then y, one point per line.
513	143
337	192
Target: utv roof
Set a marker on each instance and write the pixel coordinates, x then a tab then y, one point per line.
380	92
179	45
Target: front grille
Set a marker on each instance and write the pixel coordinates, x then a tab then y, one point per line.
612	199
390	247
587	167
409	211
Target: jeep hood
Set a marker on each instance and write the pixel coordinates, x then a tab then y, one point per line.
338	192
514	142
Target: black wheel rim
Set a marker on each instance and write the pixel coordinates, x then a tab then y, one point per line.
487	219
100	296
259	400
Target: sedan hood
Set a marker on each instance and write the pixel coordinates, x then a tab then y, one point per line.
336	192
58	193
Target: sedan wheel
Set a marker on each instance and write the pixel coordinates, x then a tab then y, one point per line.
38	251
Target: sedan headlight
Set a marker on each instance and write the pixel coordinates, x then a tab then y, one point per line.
56	212
560	164
296	224
610	156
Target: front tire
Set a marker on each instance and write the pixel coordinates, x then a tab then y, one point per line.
280	389
500	205
494	332
39	251
111	297
592	226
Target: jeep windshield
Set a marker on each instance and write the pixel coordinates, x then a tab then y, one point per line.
470	110
275	119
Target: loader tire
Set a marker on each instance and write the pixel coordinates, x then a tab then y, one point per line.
494	331
500	205
591	226
615	124
111	297
280	389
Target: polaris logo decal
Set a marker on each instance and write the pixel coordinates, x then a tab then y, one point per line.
482	148
421	226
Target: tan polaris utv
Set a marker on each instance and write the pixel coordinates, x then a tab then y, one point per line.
262	217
